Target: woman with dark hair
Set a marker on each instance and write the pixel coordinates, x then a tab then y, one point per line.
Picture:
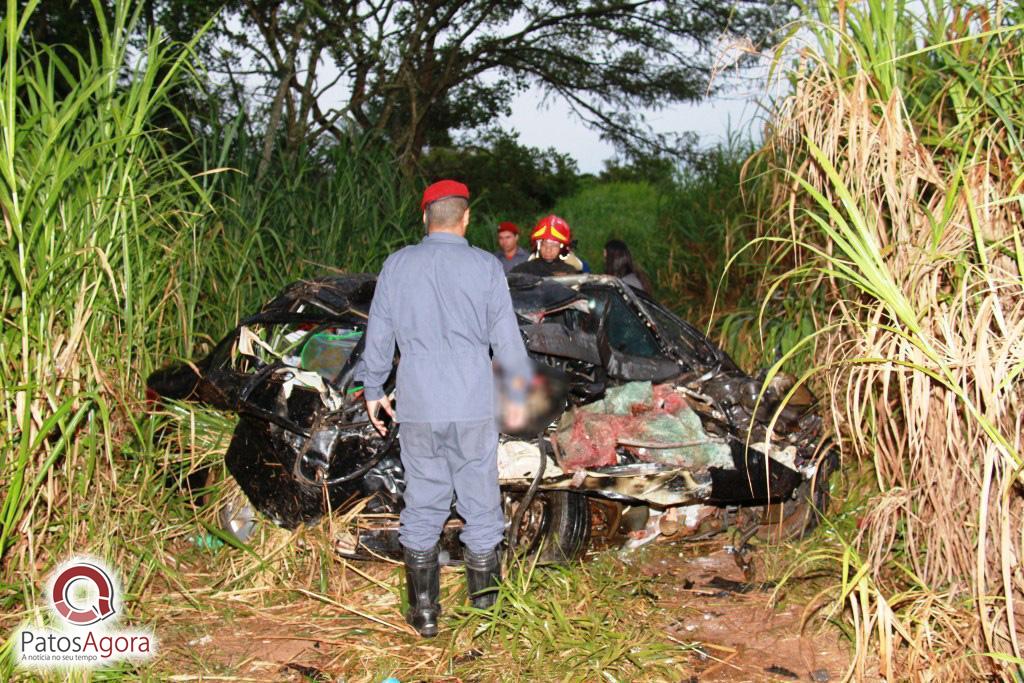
619	262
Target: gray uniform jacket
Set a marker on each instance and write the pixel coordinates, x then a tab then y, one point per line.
508	264
445	303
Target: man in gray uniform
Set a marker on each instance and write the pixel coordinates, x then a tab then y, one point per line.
446	304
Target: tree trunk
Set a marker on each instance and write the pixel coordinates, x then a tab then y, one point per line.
270	136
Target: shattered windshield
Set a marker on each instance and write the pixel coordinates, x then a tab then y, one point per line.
627	332
692	345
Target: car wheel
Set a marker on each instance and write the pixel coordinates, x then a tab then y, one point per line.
555	527
799	516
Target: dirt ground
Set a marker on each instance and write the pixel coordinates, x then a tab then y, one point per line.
743	637
705	600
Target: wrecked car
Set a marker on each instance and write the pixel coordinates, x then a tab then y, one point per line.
639	425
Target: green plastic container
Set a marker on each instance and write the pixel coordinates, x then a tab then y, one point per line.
326	353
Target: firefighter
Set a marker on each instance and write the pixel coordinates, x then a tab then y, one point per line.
446	304
509	253
552	255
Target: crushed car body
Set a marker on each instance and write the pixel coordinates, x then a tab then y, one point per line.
630	405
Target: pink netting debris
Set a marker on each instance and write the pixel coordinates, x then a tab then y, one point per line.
591	440
588	439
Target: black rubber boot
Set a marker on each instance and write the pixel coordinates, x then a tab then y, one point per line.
423	585
483	573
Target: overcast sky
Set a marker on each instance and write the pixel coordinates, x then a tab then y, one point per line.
553	125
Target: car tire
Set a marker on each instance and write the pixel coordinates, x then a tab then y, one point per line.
556	527
797	517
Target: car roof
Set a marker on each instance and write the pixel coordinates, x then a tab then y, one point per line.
534	296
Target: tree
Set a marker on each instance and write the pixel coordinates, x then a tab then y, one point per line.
509	180
66	22
656	169
414	71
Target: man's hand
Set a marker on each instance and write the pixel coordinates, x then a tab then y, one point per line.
371	410
515	416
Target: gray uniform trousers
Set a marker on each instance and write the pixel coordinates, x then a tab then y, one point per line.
438	455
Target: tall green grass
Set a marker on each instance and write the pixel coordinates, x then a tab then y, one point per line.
92	204
123	249
342	208
898	173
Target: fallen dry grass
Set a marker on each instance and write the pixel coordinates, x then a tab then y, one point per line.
657	614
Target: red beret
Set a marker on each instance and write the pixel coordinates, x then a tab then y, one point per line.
443	189
508	226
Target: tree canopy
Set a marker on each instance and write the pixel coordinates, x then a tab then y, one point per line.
509	180
416	71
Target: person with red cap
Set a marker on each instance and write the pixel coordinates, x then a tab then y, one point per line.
509	253
447	307
551	241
